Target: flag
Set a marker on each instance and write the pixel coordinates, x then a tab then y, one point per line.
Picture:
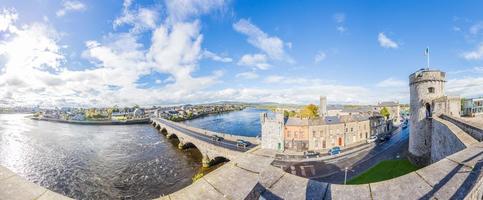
426	52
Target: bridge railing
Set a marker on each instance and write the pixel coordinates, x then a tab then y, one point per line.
226	136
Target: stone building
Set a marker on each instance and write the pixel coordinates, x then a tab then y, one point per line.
323	106
272	131
394	110
427	97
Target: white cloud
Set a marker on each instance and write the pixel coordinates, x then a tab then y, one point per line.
70	5
339	17
272	46
34	71
391	83
247	75
259	61
465	87
474	55
341	29
141	19
476	28
216	57
7	18
319	57
386	42
181	10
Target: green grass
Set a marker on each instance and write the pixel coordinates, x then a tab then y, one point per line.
384	170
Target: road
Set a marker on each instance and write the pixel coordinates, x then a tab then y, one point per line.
332	170
207	138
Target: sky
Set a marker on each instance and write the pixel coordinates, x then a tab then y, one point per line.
101	53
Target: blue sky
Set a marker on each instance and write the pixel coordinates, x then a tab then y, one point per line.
96	53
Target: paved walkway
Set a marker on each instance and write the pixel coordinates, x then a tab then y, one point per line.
13	187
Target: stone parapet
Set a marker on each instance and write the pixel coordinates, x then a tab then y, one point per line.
470	125
458	176
14	187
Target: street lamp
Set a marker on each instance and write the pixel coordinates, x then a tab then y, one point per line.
345	177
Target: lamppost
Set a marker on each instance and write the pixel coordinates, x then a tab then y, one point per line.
345	177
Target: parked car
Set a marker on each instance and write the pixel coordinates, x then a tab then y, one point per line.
308	154
371	139
216	138
242	143
334	151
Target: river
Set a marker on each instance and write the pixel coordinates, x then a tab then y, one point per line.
245	122
108	161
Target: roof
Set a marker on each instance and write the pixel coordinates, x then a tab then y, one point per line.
292	121
388	103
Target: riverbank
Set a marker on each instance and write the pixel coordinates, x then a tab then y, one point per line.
104	122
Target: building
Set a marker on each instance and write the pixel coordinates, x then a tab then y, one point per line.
324	132
323	106
394	110
272	131
473	107
296	134
450	105
427	97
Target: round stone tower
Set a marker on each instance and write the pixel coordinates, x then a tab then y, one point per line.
425	86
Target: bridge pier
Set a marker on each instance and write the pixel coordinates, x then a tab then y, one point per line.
205	161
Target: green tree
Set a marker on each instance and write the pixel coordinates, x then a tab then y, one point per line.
286	113
309	111
385	112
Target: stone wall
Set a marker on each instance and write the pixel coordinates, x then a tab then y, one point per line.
272	131
474	129
447	139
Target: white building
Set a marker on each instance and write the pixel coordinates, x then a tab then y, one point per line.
272	131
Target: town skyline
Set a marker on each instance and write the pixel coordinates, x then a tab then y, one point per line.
98	54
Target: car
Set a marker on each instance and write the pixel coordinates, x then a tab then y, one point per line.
242	143
216	138
308	154
334	150
371	139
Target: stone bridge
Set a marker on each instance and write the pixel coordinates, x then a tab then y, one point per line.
211	150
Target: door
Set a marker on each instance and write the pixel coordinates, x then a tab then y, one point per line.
340	141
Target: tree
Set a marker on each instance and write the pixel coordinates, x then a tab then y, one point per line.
309	111
385	112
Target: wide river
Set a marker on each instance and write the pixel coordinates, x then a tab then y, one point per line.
107	162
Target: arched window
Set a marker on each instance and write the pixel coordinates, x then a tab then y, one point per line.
428	111
431	89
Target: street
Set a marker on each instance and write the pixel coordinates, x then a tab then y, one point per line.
332	170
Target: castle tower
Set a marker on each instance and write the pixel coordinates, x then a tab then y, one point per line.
425	86
323	107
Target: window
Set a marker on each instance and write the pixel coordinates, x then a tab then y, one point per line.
313	133
288	134
431	89
352	129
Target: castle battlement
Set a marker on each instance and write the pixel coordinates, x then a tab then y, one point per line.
427	75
